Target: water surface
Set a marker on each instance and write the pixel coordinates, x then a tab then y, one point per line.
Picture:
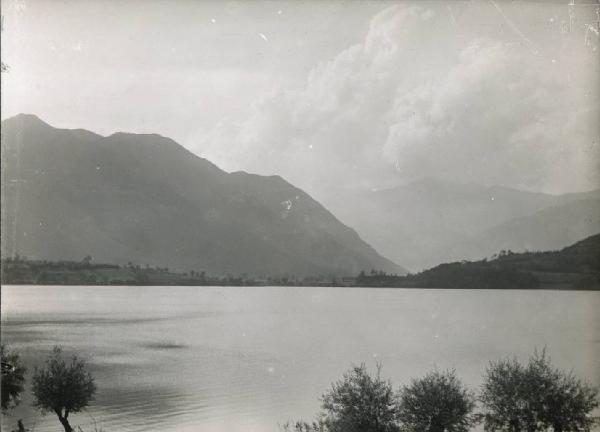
248	358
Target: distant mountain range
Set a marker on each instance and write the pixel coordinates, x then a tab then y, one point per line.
431	221
145	199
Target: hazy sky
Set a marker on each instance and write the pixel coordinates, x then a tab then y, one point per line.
329	95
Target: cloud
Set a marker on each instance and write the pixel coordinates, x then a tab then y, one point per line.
419	97
467	125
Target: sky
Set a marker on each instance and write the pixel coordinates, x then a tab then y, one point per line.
331	95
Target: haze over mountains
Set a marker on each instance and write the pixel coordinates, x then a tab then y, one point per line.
145	199
431	221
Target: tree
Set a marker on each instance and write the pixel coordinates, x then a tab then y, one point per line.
360	403
536	397
438	402
561	401
502	398
63	387
569	403
13	378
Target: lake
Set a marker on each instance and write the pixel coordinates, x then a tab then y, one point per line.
248	358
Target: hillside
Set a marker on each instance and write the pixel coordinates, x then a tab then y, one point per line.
145	199
573	267
431	221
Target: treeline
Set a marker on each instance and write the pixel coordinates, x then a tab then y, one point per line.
514	397
468	275
21	271
574	267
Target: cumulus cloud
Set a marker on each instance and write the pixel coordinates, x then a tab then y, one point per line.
421	97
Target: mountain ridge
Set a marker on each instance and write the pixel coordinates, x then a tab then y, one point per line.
144	198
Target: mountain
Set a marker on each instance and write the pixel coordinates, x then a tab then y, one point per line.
432	221
548	229
145	199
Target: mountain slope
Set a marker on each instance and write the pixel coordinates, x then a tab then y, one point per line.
145	199
574	267
549	229
432	221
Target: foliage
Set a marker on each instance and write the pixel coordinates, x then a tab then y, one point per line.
360	402
535	397
504	397
468	275
302	426
63	387
13	378
438	402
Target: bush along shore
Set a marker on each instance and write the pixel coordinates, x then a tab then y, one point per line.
514	397
574	267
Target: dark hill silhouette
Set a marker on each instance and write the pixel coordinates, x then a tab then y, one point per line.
574	267
146	199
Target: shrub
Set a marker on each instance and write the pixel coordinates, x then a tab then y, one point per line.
360	402
438	402
535	397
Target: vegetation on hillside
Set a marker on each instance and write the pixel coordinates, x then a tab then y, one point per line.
576	266
22	271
